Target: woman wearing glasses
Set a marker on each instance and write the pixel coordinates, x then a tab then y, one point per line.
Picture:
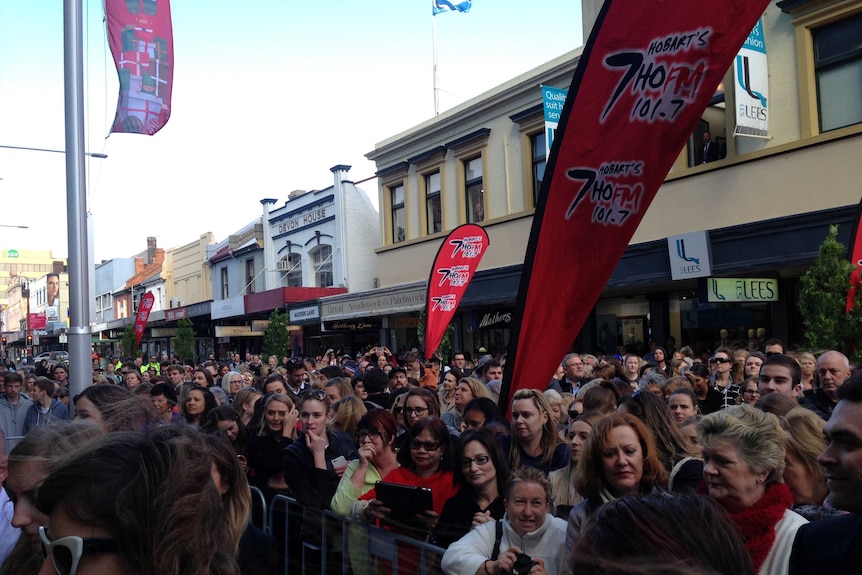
483	475
104	519
315	462
426	461
29	464
231	383
724	369
376	435
750	392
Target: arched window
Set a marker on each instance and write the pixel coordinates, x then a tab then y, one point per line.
290	267
321	259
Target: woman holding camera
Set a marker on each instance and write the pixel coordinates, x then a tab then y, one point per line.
527	540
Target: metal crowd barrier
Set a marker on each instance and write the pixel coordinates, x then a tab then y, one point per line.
259	512
318	542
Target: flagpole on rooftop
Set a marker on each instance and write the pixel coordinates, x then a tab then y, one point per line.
80	365
436	78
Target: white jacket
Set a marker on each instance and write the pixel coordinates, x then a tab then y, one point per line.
778	560
465	556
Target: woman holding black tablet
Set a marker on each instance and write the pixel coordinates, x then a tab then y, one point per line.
426	461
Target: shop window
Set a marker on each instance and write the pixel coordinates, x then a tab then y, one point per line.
321	259
538	152
475	192
399	230
838	72
433	205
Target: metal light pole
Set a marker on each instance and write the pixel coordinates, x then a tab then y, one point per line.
80	366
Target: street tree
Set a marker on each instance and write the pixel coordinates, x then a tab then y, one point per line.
823	301
277	339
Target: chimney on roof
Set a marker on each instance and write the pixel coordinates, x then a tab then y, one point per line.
151	249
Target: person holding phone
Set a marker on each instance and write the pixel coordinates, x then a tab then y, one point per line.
314	463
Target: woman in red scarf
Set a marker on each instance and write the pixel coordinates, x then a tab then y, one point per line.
743	453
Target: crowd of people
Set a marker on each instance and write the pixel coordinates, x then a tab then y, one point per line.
733	462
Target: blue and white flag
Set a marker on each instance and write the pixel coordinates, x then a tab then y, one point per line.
438	6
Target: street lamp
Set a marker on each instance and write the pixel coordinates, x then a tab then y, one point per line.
91	154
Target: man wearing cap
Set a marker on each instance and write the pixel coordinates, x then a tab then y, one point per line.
398	378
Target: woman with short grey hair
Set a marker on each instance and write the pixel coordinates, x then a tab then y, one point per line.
743	453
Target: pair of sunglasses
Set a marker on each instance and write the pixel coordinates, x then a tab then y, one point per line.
66	552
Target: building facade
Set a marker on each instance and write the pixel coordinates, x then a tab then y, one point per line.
762	207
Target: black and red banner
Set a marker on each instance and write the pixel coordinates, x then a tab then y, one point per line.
141	38
454	266
645	77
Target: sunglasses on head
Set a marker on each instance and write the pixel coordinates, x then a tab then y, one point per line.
317	394
66	552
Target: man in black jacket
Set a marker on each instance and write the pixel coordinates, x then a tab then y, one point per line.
835	545
833	367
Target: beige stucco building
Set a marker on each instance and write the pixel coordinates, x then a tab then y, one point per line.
763	206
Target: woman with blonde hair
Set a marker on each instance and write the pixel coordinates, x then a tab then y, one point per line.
346	413
30	462
744	454
563	480
805	478
243	404
276	432
808	365
338	388
558	413
534	440
468	389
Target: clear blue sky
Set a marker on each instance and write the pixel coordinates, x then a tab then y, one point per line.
268	95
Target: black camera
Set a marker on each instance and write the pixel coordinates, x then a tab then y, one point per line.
523	564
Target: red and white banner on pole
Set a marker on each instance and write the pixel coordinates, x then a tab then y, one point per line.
454	267
143	314
645	77
141	39
856	260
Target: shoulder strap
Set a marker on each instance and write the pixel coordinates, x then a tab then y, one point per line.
499	537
